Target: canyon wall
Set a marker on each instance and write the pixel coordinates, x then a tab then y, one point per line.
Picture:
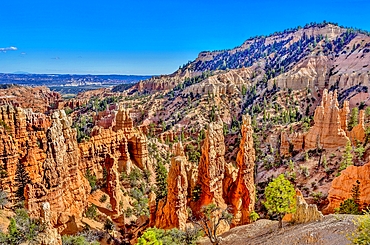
341	187
45	164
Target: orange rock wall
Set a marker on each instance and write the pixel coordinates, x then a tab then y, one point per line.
341	187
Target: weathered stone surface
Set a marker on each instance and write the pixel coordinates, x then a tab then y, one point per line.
63	185
172	212
358	131
242	193
50	235
212	167
123	120
290	142
304	212
309	73
229	83
39	99
327	131
343	113
341	187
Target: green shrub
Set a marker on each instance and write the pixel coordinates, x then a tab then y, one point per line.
22	229
92	179
253	216
91	212
103	198
77	240
174	236
361	236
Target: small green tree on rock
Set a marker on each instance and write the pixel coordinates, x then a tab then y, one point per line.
209	220
280	198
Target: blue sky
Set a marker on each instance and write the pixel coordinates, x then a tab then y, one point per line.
146	37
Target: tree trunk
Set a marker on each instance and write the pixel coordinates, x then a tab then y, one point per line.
280	221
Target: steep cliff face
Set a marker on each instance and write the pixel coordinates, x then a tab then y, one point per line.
212	167
172	212
341	187
62	183
41	155
309	73
242	192
23	148
327	131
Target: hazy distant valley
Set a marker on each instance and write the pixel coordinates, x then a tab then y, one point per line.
70	84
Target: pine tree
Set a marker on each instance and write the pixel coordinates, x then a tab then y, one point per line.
21	179
161	181
347	158
353	120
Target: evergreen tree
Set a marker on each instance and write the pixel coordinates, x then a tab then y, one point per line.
161	181
21	179
280	198
353	120
347	158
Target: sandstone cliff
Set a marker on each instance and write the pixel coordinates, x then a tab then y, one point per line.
341	187
62	182
358	131
41	155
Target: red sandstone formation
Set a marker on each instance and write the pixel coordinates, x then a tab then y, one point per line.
212	167
172	212
62	182
341	187
330	128
358	131
56	164
290	142
242	193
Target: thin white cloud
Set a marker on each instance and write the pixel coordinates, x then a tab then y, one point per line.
8	49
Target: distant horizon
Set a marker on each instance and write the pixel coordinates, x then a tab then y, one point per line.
147	37
82	74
